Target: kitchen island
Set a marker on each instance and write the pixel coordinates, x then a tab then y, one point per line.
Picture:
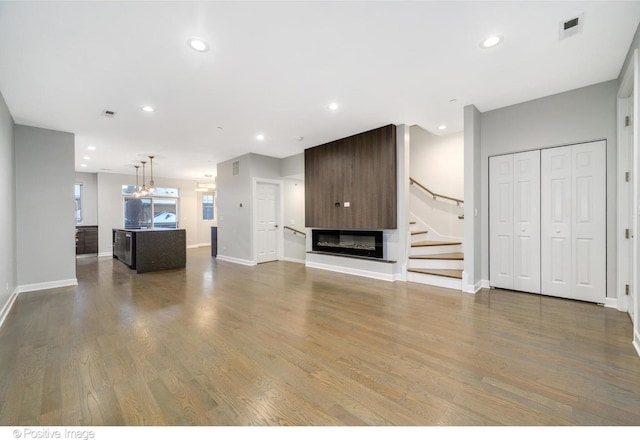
150	250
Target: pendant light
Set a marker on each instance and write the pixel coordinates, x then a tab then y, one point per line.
136	193
144	191
152	185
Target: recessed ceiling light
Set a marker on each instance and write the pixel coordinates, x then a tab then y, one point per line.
86	158
442	127
148	108
260	137
91	147
299	138
198	45
491	41
333	106
83	165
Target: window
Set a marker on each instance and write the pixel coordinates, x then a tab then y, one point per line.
157	211
78	195
207	206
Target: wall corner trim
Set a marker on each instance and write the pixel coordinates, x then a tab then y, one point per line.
8	306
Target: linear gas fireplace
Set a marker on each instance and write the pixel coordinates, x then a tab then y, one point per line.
352	243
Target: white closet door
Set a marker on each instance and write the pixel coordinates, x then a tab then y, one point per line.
589	205
555	216
501	218
526	221
573	219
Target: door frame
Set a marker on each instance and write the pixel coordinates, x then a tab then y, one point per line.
628	217
254	216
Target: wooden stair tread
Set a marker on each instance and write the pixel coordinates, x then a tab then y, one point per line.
449	273
449	256
435	243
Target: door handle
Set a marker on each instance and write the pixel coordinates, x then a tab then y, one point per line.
275	226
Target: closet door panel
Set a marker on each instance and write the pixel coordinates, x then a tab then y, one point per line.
555	214
589	221
501	218
526	221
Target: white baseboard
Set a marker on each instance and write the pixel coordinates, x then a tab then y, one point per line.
236	260
292	260
611	302
7	307
400	277
47	285
105	254
636	344
351	271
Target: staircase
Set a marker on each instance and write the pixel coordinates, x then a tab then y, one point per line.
436	263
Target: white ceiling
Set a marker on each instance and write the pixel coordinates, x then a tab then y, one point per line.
273	68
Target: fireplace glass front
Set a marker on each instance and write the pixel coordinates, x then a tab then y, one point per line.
347	242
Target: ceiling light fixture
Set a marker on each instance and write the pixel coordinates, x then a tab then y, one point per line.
91	147
333	106
492	41
152	185
83	165
144	191
198	45
148	109
442	127
260	137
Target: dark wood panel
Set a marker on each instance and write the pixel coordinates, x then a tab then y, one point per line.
279	344
360	170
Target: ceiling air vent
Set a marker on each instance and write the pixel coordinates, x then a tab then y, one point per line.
571	27
108	113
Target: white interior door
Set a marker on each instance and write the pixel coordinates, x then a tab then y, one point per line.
267	222
501	221
526	221
573	216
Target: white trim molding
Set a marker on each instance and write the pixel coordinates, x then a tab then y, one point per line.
292	260
8	306
47	285
236	260
350	271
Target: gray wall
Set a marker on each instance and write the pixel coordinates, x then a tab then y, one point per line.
8	263
45	175
474	252
235	202
234	209
580	115
89	183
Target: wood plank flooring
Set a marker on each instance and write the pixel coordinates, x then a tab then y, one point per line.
220	344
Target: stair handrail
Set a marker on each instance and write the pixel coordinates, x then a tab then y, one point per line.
434	195
294	230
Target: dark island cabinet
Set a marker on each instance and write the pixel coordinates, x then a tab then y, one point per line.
351	183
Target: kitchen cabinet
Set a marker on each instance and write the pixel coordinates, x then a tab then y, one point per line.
86	240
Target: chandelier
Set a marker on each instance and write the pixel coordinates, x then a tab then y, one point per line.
144	191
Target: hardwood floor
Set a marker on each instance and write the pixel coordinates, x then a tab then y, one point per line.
221	344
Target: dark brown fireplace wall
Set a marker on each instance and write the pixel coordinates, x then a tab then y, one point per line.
351	183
